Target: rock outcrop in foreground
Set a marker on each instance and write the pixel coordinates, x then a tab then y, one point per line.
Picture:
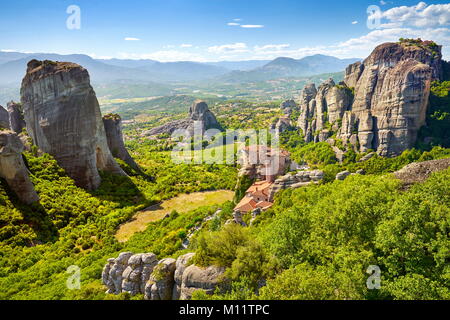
63	118
113	129
167	279
382	103
12	167
200	119
295	181
418	172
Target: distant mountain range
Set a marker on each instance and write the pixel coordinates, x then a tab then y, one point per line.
288	67
13	67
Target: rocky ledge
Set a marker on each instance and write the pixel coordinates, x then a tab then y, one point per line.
167	279
417	172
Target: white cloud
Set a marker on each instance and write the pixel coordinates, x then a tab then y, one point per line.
131	39
186	45
355	22
237	20
365	44
419	16
233	24
234	48
252	26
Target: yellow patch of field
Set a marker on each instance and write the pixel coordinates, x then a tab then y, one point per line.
182	204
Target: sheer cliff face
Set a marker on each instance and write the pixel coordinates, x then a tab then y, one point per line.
322	109
113	128
12	167
391	90
63	117
392	87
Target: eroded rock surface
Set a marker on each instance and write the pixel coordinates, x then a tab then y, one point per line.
391	88
295	181
12	167
63	118
4	119
417	172
114	136
16	117
197	278
181	266
161	282
322	109
200	119
167	279
382	103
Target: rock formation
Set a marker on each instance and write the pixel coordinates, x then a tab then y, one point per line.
12	167
322	109
287	107
63	118
294	181
200	119
197	278
199	112
161	282
4	119
114	136
168	279
181	266
237	219
418	172
16	117
382	103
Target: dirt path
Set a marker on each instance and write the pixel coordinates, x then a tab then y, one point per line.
182	203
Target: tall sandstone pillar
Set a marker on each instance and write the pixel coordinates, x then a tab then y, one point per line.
63	117
114	135
13	169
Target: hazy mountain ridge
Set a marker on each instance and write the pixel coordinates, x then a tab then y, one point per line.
288	67
12	65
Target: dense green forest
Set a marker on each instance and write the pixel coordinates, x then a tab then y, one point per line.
316	242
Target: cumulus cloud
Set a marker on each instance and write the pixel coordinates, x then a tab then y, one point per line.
238	47
131	39
354	22
419	16
233	24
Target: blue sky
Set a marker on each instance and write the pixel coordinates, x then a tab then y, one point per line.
212	30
